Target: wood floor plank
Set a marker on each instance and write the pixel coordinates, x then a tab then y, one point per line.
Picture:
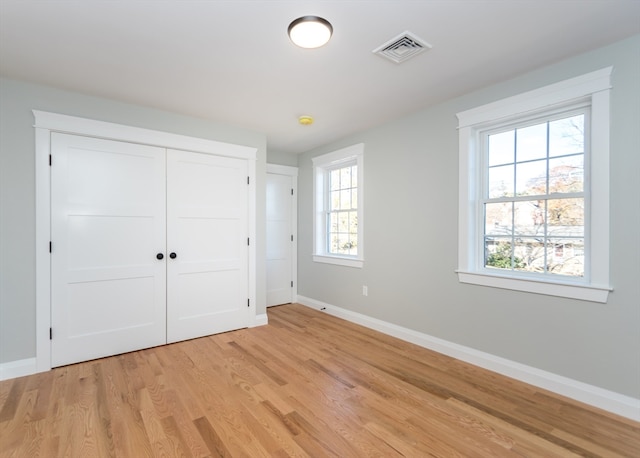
12	400
521	439
271	427
211	438
305	385
128	432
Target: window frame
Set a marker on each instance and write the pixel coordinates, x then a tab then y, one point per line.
584	109
322	166
592	90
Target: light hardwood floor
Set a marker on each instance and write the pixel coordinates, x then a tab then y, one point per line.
308	384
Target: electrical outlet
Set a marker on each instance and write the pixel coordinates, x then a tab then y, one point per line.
365	290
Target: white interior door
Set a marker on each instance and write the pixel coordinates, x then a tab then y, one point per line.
207	230
280	253
108	289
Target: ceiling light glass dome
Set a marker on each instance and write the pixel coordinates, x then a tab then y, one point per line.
310	31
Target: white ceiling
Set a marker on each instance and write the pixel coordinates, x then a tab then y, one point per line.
232	62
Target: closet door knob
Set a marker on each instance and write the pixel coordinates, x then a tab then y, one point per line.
159	256
173	255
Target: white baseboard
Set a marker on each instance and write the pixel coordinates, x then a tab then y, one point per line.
17	368
260	320
611	401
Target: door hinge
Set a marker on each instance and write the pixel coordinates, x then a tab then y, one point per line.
248	241
50	247
50	333
292	237
49	160
247	180
248	302
292	283
291	191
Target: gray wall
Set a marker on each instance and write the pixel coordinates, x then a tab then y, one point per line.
280	158
411	208
17	188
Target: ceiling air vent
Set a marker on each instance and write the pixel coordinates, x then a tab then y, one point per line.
403	47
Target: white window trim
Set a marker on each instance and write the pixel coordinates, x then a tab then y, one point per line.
321	164
594	87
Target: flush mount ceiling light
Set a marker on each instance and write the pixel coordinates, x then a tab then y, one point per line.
310	31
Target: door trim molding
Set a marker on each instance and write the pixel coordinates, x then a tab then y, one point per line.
45	123
282	170
293	173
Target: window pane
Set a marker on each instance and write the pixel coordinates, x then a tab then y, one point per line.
354	198
498	218
565	217
565	257
353	222
353	240
528	254
531	178
566	174
497	253
529	218
333	243
354	176
343	222
333	222
335	200
566	136
334	179
501	148
345	199
343	243
501	181
531	143
345	177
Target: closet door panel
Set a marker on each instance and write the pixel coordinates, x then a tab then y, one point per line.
107	223
279	239
207	227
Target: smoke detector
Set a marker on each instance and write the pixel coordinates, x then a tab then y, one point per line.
305	120
403	47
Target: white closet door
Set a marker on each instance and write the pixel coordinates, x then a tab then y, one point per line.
108	289
279	239
207	230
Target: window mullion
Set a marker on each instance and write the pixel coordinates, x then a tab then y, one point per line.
525	198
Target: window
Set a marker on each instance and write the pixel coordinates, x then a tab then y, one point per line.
342	211
533	195
338	221
534	191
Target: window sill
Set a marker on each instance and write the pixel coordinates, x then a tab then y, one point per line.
348	262
568	290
